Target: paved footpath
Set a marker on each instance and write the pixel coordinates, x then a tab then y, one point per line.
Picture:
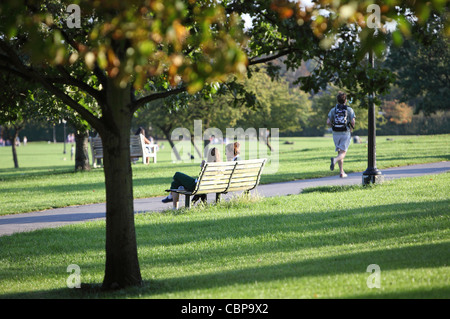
10	224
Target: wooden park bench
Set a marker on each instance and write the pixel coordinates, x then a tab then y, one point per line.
223	177
137	149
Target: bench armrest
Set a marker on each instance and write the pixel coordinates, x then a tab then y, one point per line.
180	191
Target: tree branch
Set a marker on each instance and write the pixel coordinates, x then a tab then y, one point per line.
67	78
79	47
135	105
15	72
39	78
74	44
272	57
74	105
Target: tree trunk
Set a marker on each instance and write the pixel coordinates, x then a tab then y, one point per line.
122	265
266	138
14	149
82	151
12	137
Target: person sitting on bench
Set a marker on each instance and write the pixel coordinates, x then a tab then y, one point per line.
187	182
232	151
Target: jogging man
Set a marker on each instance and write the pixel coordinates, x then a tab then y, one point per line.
341	119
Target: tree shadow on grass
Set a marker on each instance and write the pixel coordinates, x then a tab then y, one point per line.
310	229
294	232
351	263
68	187
415	157
11	174
335	188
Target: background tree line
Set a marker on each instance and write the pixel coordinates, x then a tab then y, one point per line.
280	105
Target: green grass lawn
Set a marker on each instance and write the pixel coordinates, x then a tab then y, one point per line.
317	244
46	179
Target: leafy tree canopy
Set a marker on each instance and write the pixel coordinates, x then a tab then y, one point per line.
422	65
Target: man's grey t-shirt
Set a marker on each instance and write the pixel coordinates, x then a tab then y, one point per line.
350	116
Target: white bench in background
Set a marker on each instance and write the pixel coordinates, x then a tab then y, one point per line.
137	149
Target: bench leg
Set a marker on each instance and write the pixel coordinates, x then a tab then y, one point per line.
218	197
187	201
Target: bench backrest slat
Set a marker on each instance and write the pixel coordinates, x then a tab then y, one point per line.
229	176
96	147
215	177
136	145
246	175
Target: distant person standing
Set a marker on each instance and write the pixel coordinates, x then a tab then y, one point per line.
341	119
72	152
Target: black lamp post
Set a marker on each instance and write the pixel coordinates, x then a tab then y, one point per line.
371	174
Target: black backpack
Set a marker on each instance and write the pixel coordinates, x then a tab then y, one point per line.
340	121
